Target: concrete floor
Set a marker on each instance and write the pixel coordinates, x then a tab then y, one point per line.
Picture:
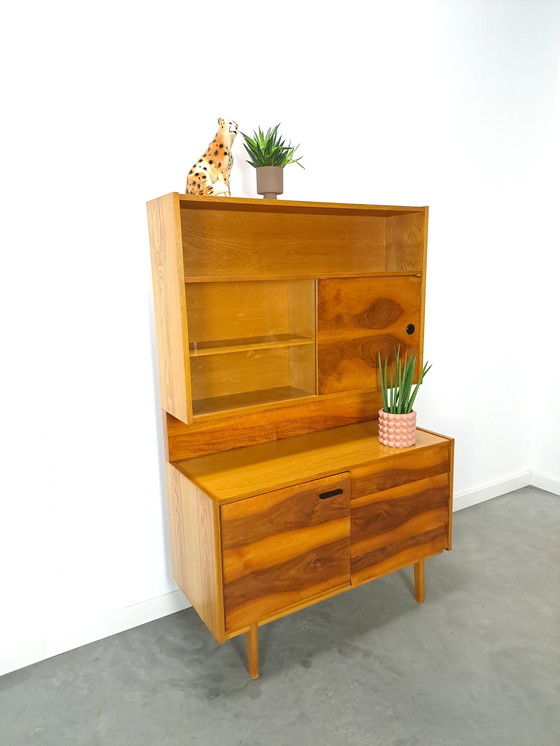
477	664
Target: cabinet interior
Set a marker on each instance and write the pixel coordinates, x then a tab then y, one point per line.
299	242
250	342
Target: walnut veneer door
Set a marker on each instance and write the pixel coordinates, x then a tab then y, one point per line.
283	547
359	317
401	511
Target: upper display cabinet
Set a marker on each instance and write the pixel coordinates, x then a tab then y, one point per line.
260	302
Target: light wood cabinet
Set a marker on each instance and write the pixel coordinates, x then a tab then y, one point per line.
269	318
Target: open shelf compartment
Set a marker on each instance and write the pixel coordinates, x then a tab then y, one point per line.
250	343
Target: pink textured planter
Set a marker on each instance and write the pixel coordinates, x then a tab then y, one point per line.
397	430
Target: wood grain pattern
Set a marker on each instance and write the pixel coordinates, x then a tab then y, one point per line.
249	471
400	466
259	244
268	422
410	520
254	370
358	318
405	242
419	581
267	309
245	204
283	547
247	400
170	306
253	651
194	530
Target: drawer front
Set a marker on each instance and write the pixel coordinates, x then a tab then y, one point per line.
404	466
359	317
398	526
283	547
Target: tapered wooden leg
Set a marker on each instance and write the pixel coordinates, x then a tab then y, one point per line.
253	651
419	589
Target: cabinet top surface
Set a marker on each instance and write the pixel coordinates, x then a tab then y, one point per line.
268	466
190	201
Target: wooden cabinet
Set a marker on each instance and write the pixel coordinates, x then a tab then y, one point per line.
269	317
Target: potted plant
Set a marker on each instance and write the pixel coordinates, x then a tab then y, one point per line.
397	419
268	154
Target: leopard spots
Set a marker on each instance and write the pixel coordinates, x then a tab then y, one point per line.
210	175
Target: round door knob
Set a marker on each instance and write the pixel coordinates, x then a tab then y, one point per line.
410	329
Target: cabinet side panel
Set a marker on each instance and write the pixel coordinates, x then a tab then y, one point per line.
261	426
406	242
194	529
170	306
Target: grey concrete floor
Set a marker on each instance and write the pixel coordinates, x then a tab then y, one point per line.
477	664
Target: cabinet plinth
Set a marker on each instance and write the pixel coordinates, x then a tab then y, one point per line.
269	319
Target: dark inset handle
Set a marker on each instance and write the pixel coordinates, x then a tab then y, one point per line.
330	493
410	329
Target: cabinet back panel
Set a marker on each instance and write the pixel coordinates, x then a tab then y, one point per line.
219	243
253	370
244	310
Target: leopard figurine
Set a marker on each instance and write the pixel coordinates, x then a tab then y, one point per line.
210	174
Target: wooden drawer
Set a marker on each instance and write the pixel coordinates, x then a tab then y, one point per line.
398	526
403	466
283	547
359	317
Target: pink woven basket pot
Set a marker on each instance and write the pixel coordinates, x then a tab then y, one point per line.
397	430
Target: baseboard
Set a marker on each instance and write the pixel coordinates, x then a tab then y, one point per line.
75	633
544	482
488	491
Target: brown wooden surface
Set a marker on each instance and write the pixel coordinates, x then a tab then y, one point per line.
264	310
283	547
257	244
219	347
253	370
194	530
419	581
399	526
287	610
401	466
253	651
247	399
245	204
405	242
271	421
249	471
358	318
170	306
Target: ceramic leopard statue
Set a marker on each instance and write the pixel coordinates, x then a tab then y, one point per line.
210	174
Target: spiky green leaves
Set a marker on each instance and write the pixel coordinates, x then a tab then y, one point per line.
269	149
396	383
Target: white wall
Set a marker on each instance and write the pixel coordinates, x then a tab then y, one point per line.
446	103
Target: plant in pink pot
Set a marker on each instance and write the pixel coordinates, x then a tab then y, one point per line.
397	419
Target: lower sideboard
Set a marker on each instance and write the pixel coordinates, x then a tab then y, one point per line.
262	531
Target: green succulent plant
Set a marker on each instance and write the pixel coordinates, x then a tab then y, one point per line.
396	384
269	149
